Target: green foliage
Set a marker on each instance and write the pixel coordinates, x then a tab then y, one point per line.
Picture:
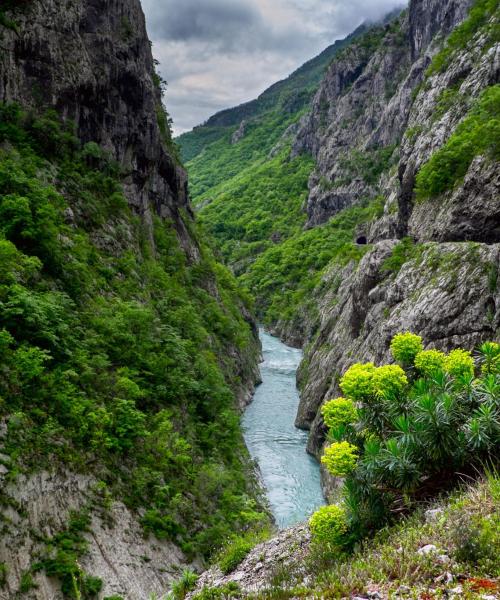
389	381
357	382
184	585
415	430
459	363
61	561
3	574
404	251
329	525
223	592
340	458
477	134
478	543
250	194
478	20
284	277
113	353
490	358
261	204
429	362
339	413
390	560
234	554
26	583
405	347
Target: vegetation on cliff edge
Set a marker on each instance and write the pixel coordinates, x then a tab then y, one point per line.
114	350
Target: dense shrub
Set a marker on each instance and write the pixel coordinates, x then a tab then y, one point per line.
429	362
340	458
490	354
389	381
184	585
339	412
357	383
329	525
238	547
405	347
459	363
415	430
477	134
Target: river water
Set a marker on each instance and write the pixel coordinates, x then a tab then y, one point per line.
290	475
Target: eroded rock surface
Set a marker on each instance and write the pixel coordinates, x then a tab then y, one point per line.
281	556
448	290
39	506
92	62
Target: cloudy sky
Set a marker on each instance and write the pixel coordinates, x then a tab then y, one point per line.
216	54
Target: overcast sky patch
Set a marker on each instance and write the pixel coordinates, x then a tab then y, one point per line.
216	54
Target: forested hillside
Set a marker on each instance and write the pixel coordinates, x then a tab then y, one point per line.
126	349
282	221
353	209
250	191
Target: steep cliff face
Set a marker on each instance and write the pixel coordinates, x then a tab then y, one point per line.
92	62
444	283
361	110
122	421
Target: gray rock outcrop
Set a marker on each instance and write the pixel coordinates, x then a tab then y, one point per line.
361	110
39	507
447	290
92	62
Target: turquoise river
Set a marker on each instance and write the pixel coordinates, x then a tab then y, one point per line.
291	477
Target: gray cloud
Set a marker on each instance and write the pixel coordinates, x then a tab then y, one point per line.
216	21
219	53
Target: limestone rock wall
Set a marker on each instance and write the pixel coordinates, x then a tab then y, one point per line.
448	289
92	62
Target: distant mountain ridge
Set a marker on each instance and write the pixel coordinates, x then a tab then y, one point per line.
291	94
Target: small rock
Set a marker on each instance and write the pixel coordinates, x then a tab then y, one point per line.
444	578
488	597
374	596
258	566
444	559
428	549
69	216
457	590
3	469
433	514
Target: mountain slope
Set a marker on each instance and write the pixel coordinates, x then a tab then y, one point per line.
249	193
290	96
401	217
441	282
434	553
126	350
